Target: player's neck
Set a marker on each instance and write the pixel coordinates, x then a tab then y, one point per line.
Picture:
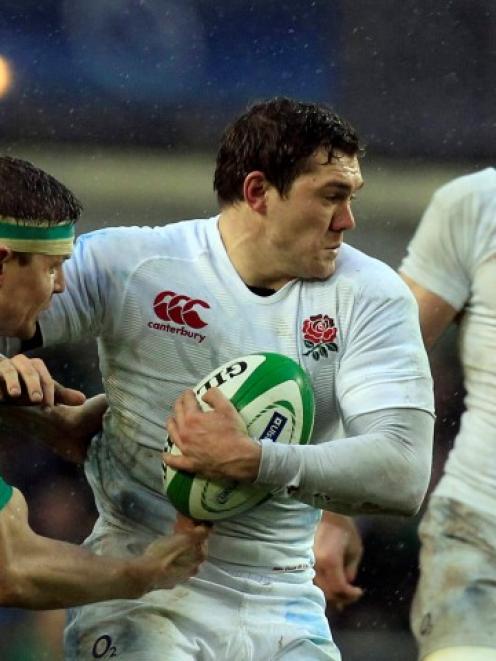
245	246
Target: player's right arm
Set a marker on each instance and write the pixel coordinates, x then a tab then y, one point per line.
40	573
443	253
435	313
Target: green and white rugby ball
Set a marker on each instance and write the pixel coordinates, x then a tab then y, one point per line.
274	397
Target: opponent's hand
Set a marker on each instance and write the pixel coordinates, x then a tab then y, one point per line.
27	381
172	560
186	524
338	550
68	430
68	396
213	443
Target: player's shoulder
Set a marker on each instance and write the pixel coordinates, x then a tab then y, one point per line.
177	239
365	281
365	272
359	281
456	191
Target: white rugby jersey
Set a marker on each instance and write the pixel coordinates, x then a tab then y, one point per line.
168	307
453	255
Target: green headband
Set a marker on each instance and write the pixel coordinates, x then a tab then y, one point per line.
41	237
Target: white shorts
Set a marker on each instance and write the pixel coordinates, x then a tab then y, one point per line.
225	613
455	602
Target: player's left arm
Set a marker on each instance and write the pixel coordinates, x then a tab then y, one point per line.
384	389
383	466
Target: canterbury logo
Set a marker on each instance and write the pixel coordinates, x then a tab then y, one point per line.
179	308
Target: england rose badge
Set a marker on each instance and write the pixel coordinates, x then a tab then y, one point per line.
319	335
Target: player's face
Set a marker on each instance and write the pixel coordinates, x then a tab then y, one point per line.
26	290
305	228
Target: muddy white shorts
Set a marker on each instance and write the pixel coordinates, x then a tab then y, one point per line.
455	602
225	613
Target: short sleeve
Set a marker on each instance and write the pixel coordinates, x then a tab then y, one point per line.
384	364
438	257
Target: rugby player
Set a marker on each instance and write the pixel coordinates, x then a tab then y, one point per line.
451	270
168	305
37	216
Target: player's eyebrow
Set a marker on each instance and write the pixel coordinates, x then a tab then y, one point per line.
342	187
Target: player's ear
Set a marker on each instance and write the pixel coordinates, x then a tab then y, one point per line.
5	255
255	187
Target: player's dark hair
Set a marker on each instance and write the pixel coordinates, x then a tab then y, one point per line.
28	193
277	137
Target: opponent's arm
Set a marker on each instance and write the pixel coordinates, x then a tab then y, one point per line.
66	430
434	312
338	550
36	572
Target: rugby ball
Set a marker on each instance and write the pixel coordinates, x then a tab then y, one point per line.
274	397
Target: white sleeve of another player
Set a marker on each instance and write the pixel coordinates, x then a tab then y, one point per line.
438	257
382	467
81	310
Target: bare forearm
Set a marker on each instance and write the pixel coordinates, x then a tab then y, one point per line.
37	572
28	419
65	429
383	467
54	574
43	425
341	520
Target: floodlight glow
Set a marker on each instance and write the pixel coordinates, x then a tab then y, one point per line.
5	76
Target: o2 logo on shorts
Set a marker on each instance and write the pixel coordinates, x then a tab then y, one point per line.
103	648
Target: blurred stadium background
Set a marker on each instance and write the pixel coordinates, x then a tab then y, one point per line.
124	101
